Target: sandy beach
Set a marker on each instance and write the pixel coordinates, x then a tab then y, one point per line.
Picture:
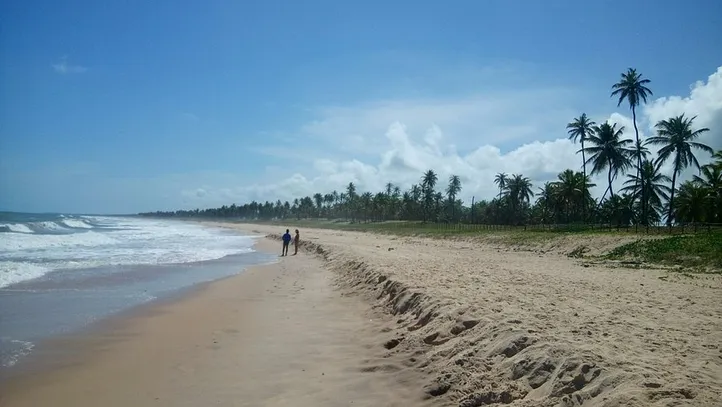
371	320
275	335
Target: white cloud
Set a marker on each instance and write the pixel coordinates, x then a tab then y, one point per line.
396	140
704	101
64	68
495	118
405	138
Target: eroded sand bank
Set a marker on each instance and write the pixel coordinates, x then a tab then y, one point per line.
487	325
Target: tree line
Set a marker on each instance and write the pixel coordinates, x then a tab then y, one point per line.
647	196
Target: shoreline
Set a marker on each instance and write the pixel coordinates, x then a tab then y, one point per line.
234	342
165	284
398	321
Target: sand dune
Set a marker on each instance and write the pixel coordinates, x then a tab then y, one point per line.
485	325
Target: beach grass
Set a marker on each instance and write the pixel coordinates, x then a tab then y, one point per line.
700	252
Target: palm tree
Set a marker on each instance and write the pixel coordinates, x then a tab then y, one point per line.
500	180
389	188
547	197
572	192
608	151
655	184
676	136
690	205
428	182
519	191
711	180
318	198
452	190
580	129
632	88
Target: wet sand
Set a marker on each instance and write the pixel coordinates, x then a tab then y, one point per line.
275	335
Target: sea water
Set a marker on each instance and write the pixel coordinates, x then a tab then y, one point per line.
59	273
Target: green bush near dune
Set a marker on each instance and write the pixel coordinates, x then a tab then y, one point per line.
701	251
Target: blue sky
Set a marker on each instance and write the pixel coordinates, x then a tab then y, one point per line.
118	107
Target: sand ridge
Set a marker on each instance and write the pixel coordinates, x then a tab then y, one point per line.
490	326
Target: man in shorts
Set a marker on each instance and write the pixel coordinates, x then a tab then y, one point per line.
286	242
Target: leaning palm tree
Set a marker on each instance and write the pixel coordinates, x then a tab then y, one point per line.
632	88
580	129
608	151
676	136
500	179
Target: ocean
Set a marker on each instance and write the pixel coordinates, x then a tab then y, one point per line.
59	273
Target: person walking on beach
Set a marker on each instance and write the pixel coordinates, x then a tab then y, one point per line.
286	241
296	239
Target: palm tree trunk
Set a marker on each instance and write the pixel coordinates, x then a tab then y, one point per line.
584	182
609	178
671	199
639	165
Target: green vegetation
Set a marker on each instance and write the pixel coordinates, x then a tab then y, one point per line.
699	251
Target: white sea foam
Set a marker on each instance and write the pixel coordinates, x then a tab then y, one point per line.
12	272
76	223
18	349
111	242
49	227
16	227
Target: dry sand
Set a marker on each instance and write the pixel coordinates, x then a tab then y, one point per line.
403	321
485	325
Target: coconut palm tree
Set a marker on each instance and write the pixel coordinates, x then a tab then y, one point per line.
452	190
579	129
691	202
608	151
500	180
318	199
710	178
547	201
632	88
428	182
676	136
518	191
572	192
656	189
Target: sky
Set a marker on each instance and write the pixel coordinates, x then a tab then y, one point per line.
128	106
